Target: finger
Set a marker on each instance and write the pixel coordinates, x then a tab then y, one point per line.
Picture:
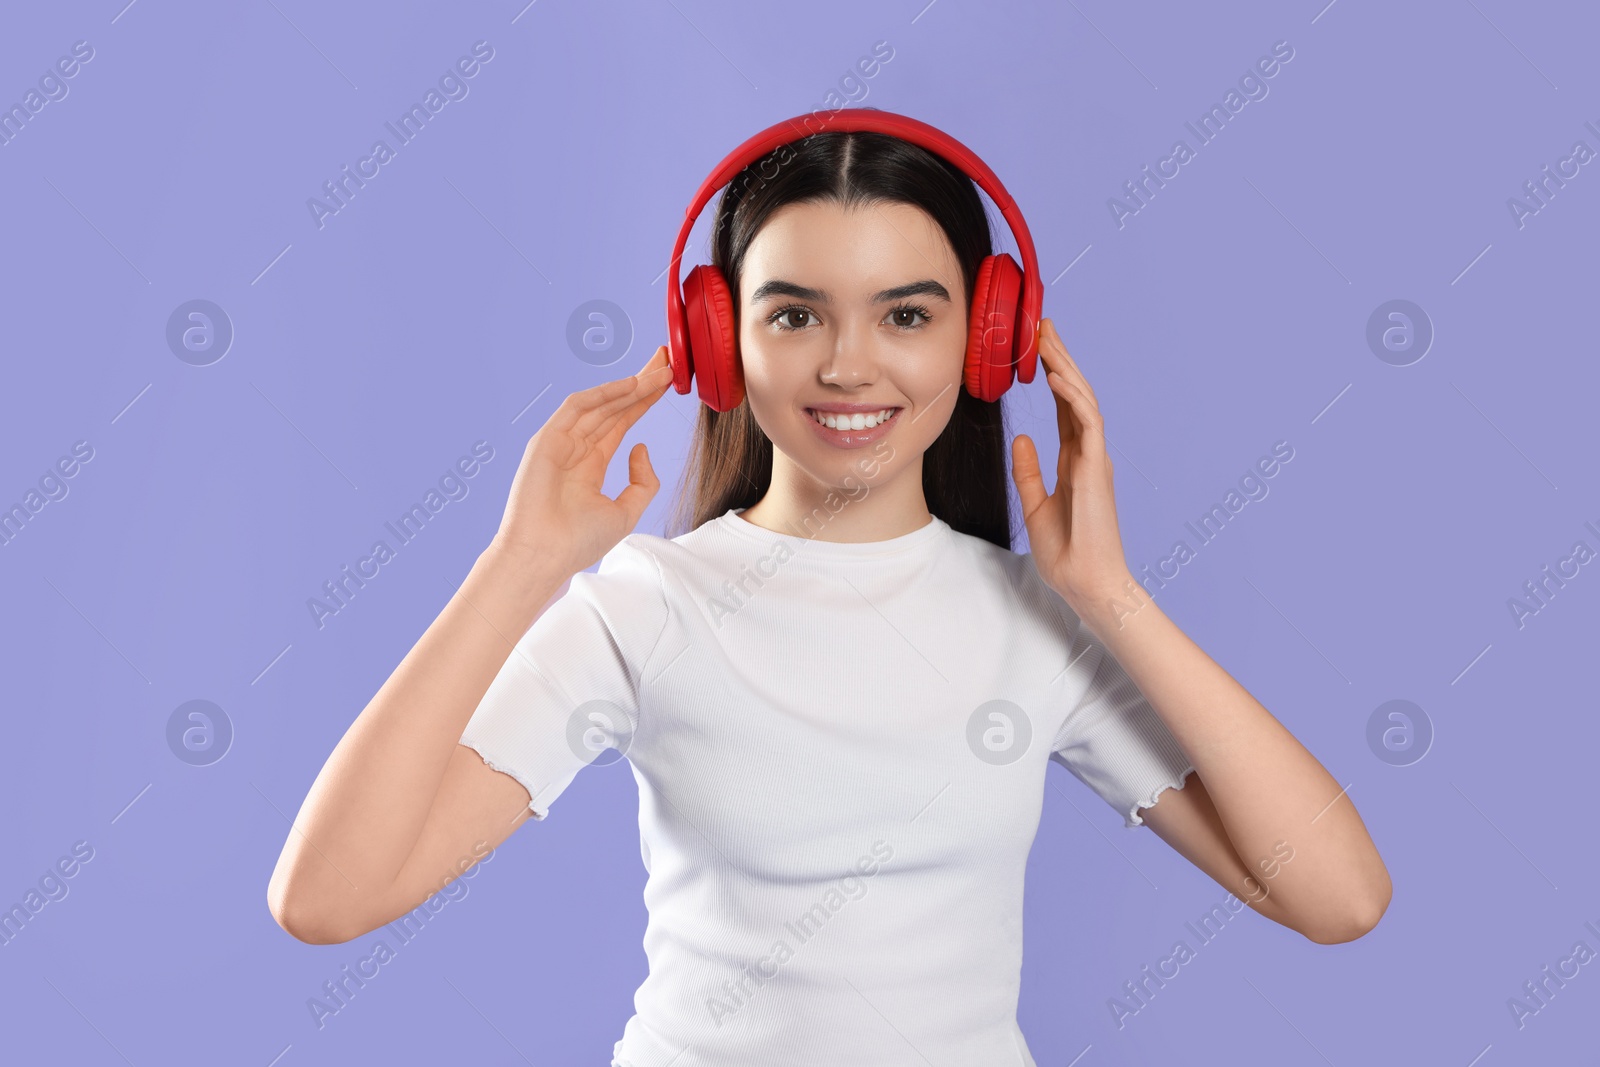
579	404
649	386
1056	356
620	390
1048	356
657	370
595	407
1068	425
656	374
642	485
581	432
1090	426
659	356
608	435
616	421
1025	471
1054	351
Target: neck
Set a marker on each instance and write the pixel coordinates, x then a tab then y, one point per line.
880	502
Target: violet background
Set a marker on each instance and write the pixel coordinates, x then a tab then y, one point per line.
432	312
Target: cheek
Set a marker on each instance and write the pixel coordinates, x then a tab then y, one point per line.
761	367
937	367
770	383
934	385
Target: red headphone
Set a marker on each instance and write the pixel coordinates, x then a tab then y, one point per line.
704	341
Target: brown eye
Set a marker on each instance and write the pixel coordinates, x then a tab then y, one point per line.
789	318
905	317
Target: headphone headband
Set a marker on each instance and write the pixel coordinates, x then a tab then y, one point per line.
846	120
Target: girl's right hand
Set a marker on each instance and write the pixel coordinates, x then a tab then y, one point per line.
557	515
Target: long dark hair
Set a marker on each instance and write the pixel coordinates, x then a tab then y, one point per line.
964	478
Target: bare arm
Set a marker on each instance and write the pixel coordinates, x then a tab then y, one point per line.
401	808
399	800
1267	810
1265	795
1187	820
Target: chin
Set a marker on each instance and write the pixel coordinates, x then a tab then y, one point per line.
848	470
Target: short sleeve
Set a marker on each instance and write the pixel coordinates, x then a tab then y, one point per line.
1112	740
571	686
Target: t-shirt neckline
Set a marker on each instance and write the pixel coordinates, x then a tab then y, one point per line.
923	537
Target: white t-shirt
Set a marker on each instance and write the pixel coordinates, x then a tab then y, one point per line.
840	751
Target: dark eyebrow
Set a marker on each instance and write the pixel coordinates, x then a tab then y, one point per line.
778	287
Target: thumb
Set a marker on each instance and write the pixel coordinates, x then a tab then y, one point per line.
1025	470
642	484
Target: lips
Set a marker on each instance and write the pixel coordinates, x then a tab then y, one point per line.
851	437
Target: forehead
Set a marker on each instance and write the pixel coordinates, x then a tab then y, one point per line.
864	248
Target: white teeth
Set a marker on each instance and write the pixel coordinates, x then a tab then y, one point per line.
857	421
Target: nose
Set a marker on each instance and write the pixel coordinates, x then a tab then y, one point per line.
851	361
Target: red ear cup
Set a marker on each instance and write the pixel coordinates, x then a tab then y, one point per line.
713	338
992	328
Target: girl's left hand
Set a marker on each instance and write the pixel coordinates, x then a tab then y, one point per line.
1072	533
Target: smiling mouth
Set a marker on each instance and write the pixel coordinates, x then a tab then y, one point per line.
860	420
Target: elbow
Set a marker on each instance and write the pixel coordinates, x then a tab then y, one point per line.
310	928
1338	933
311	931
310	925
1357	922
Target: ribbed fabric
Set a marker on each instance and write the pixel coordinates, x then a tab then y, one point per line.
840	751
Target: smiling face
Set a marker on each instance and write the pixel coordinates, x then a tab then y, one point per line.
844	312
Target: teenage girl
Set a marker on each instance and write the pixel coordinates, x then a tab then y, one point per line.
839	688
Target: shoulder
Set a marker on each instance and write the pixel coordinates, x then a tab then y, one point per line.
634	560
645	567
1014	578
707	547
619	604
1014	570
1017	574
625	588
